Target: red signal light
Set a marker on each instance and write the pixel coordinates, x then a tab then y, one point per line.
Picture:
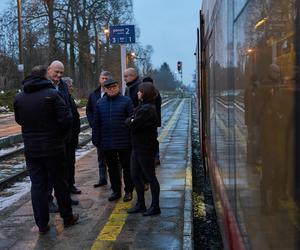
179	66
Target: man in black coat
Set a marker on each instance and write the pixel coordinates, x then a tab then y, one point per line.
96	95
133	81
55	72
45	120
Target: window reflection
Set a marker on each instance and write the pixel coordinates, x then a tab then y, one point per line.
252	131
265	60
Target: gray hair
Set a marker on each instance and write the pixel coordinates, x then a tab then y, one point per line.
67	80
106	73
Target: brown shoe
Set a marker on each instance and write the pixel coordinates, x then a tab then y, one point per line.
72	221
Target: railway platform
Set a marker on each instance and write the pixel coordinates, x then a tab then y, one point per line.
106	225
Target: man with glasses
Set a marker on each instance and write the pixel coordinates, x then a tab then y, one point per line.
113	137
90	110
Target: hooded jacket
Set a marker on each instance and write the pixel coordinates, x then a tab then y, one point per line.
44	117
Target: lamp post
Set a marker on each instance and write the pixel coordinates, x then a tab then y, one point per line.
106	33
21	65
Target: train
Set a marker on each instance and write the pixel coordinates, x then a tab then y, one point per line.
248	76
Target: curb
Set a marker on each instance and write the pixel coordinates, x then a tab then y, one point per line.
188	204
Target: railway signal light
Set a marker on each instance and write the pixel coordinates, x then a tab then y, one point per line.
179	66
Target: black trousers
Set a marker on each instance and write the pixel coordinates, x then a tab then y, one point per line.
115	159
70	161
69	168
40	169
143	166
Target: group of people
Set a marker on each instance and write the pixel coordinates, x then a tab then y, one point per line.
125	134
124	130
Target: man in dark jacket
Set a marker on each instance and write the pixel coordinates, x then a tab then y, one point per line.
133	81
55	72
45	120
90	110
112	135
74	138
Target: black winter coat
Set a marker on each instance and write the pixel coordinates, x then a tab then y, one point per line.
143	126
75	124
44	117
110	131
132	89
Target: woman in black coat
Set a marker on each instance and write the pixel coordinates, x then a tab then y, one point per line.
143	125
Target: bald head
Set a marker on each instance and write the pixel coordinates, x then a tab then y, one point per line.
130	74
56	71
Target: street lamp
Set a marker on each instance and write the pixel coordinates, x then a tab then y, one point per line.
106	31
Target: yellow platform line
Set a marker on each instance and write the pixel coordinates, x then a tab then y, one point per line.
113	226
117	219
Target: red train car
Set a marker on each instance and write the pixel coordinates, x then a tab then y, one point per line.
248	80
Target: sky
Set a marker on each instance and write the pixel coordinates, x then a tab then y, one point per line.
169	26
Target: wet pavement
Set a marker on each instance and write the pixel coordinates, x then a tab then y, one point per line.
106	225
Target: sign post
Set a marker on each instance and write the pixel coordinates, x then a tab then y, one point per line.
122	34
123	65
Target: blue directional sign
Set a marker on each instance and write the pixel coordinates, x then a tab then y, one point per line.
122	34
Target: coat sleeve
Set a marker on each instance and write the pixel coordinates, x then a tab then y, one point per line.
63	115
90	111
129	108
143	118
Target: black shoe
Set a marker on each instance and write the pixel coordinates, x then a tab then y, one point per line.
114	196
52	207
75	190
44	230
74	202
138	208
127	197
72	221
152	211
100	184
